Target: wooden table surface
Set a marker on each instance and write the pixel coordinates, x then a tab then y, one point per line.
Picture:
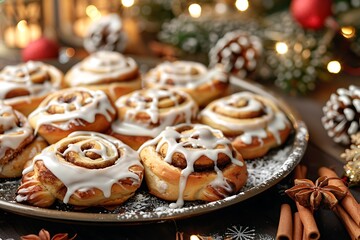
257	216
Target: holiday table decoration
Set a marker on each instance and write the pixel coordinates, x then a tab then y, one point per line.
352	158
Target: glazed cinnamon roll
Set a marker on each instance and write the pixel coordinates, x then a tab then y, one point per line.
201	83
192	162
70	110
84	169
111	72
18	144
25	85
143	114
253	122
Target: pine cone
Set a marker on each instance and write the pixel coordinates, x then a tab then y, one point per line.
106	34
238	51
342	113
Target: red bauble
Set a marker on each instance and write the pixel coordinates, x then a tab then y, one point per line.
311	13
40	49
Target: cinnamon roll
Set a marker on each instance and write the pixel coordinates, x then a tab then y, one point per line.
84	169
70	110
18	144
253	122
111	72
143	114
192	162
25	85
203	84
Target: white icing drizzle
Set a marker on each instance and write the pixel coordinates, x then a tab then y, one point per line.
205	140
272	119
101	65
16	129
20	77
186	74
97	103
77	178
159	118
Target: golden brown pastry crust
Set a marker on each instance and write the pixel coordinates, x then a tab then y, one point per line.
143	114
203	84
164	179
73	109
25	85
107	172
111	72
254	123
17	142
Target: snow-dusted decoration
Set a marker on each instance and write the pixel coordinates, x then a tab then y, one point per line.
240	233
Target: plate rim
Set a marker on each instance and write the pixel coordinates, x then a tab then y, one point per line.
299	146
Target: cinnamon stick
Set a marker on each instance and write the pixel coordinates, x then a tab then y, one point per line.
311	230
285	230
349	203
350	225
298	227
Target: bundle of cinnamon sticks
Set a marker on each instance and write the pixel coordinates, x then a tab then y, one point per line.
302	224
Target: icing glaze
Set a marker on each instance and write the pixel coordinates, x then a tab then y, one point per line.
203	141
158	117
99	66
33	77
186	74
14	129
270	118
77	178
79	108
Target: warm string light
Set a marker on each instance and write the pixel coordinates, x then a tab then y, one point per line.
195	10
127	3
348	31
93	12
242	5
334	67
281	47
194	237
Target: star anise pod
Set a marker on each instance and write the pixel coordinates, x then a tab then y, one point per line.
45	235
312	196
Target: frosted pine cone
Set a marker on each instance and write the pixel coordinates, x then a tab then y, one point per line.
342	113
238	51
106	34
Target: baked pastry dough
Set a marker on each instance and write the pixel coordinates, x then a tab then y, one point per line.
111	72
25	85
253	122
143	114
203	84
192	162
84	169
70	110
18	144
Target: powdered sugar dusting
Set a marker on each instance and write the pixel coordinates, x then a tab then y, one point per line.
142	207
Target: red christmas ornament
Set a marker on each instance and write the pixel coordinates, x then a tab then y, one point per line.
311	13
40	49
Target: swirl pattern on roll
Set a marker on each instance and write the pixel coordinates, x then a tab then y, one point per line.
192	162
149	111
72	110
192	77
83	169
103	67
16	141
28	80
249	119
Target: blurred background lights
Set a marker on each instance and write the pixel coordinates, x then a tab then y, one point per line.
242	5
348	31
127	3
281	47
93	12
334	66
194	237
195	10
